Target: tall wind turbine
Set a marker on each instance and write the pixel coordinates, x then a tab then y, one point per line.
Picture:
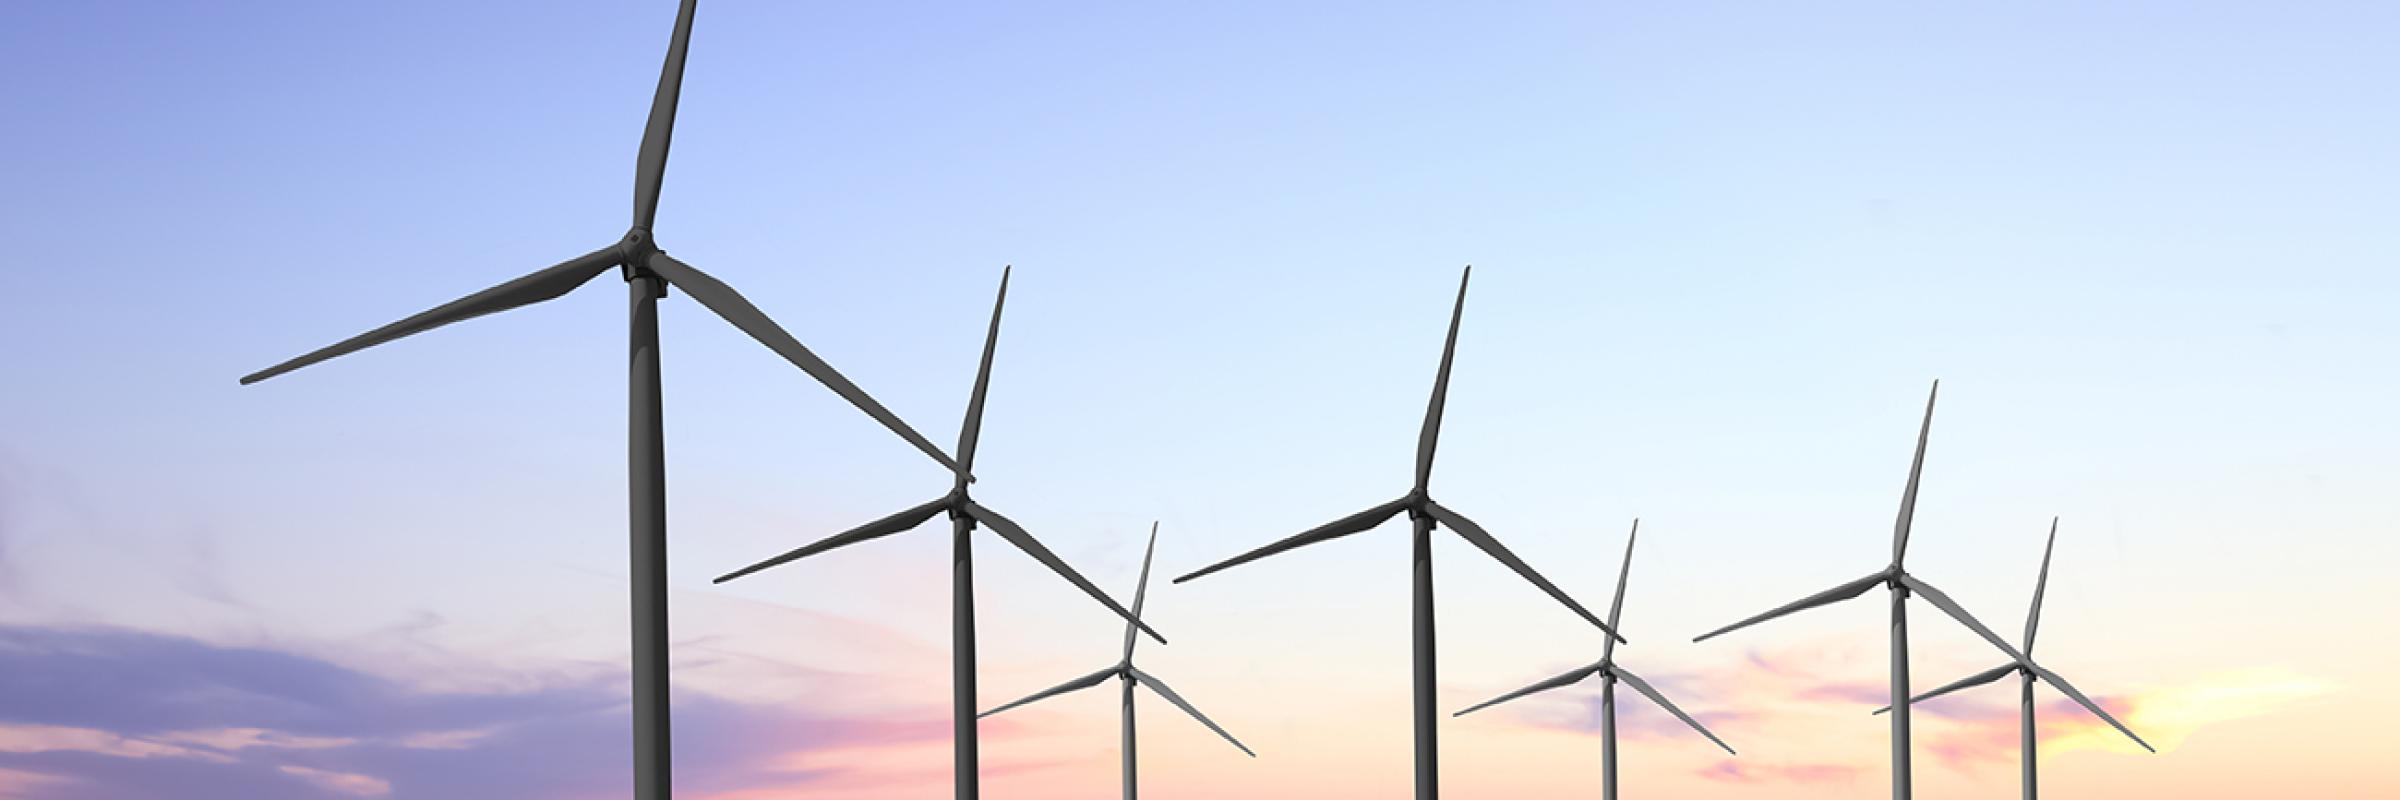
1610	673
1423	512
648	271
1902	584
1127	676
2024	667
965	514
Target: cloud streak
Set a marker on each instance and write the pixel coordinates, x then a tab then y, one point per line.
1984	732
128	716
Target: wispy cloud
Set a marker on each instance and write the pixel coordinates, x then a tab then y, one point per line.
349	783
123	714
1577	709
1756	773
1985	731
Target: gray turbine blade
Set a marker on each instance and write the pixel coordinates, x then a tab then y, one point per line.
2033	618
1085	682
730	305
1475	534
1567	678
651	167
1643	686
1160	687
972	429
1441	389
1824	598
1957	612
533	288
1141	591
873	530
1969	682
1916	467
2068	689
1624	574
1332	530
1016	535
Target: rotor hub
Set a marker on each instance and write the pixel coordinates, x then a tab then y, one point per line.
635	250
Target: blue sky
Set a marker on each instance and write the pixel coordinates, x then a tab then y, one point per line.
1720	251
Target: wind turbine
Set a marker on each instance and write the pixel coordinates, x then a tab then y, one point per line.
965	514
1902	584
1127	676
1610	673
648	271
2029	672
1423	512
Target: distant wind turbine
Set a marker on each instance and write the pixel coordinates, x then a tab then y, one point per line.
1896	578
1423	512
965	513
1610	673
2024	667
1127	676
648	271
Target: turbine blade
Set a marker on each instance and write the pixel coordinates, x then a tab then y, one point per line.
1824	598
1969	682
1957	612
972	429
1441	388
2068	689
1624	574
887	526
730	305
1332	530
1643	686
2033	618
1567	678
1016	535
533	288
651	167
1085	682
1141	591
1916	467
1475	534
1160	687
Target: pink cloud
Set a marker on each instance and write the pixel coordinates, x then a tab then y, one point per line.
348	783
1754	773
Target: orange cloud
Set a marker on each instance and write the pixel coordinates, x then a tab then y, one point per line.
1985	732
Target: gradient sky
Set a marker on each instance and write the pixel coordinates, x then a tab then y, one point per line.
1721	250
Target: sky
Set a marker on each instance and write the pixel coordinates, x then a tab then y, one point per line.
1721	250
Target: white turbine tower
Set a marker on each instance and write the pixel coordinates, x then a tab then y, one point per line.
2029	672
1896	578
1128	676
965	516
648	272
1610	673
1423	514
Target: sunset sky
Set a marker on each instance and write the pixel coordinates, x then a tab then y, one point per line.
1720	252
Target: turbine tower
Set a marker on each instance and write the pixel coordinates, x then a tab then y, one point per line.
2024	667
1901	584
1424	513
1610	673
965	514
1127	676
648	272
